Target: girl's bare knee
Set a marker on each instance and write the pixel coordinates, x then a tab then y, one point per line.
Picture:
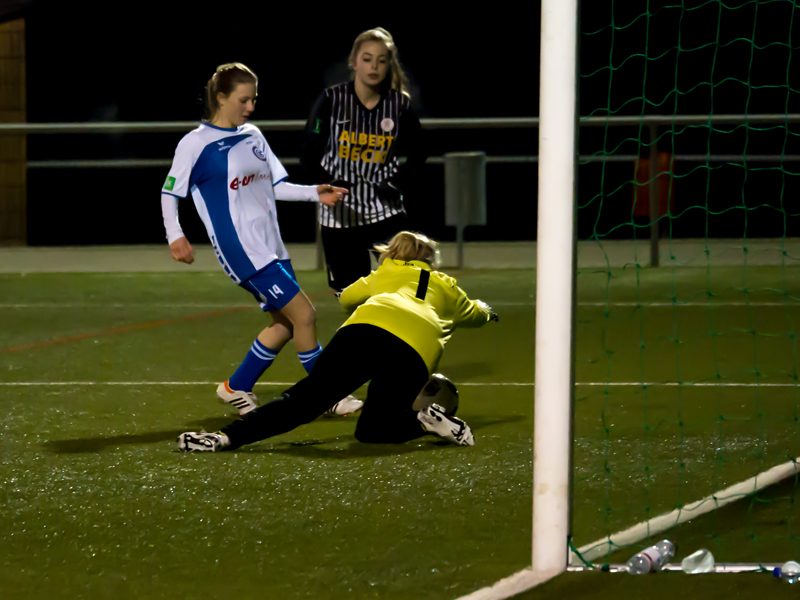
307	319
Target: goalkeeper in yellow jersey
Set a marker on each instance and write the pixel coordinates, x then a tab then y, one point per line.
403	313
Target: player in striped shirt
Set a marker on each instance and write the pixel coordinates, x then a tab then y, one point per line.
234	179
403	314
354	137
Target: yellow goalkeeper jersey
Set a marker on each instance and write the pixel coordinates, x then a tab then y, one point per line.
420	306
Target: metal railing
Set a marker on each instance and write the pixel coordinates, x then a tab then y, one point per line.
477	123
651	122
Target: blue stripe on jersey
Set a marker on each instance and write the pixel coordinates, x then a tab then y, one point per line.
210	175
279	180
220	128
171	194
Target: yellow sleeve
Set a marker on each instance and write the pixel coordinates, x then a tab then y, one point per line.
355	294
468	313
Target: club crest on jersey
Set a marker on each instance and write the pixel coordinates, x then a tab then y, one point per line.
387	124
259	153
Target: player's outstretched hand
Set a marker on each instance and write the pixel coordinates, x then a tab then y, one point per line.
182	251
330	195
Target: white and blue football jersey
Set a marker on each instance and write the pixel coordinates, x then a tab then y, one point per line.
231	174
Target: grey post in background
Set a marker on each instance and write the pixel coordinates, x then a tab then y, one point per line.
464	193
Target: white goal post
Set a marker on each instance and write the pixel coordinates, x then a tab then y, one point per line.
555	288
555	265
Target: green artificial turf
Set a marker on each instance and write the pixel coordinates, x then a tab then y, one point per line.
96	503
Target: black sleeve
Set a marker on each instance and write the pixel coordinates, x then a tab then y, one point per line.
315	139
410	144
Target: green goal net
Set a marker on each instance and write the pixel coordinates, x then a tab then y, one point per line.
686	412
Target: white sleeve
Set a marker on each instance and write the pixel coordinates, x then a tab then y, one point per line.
169	210
177	182
290	191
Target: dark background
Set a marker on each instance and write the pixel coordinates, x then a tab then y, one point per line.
148	61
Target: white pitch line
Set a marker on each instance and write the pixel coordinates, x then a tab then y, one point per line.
34	305
679	384
722	303
129	383
463	384
793	303
508	587
129	305
187	383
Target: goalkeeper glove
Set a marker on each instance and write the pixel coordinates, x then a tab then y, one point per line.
492	315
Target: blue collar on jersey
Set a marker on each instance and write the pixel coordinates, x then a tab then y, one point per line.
220	128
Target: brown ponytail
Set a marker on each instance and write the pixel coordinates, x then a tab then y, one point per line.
224	81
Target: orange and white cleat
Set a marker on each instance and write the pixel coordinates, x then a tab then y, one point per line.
244	402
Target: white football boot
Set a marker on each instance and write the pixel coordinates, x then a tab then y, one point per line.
244	402
435	421
193	441
344	407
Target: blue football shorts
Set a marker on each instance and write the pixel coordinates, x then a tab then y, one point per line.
274	286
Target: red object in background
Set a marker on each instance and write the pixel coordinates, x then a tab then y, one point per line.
666	189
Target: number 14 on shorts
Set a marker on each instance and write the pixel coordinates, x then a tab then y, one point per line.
274	291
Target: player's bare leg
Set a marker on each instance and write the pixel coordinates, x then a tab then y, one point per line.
278	334
303	317
300	315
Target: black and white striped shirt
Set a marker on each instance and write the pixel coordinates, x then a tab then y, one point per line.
359	148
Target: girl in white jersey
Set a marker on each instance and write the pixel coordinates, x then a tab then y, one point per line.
234	179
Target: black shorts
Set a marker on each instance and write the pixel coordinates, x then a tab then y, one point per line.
347	249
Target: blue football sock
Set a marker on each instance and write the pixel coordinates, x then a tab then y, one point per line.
255	363
309	358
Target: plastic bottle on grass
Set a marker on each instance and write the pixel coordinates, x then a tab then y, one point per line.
701	561
652	558
789	572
